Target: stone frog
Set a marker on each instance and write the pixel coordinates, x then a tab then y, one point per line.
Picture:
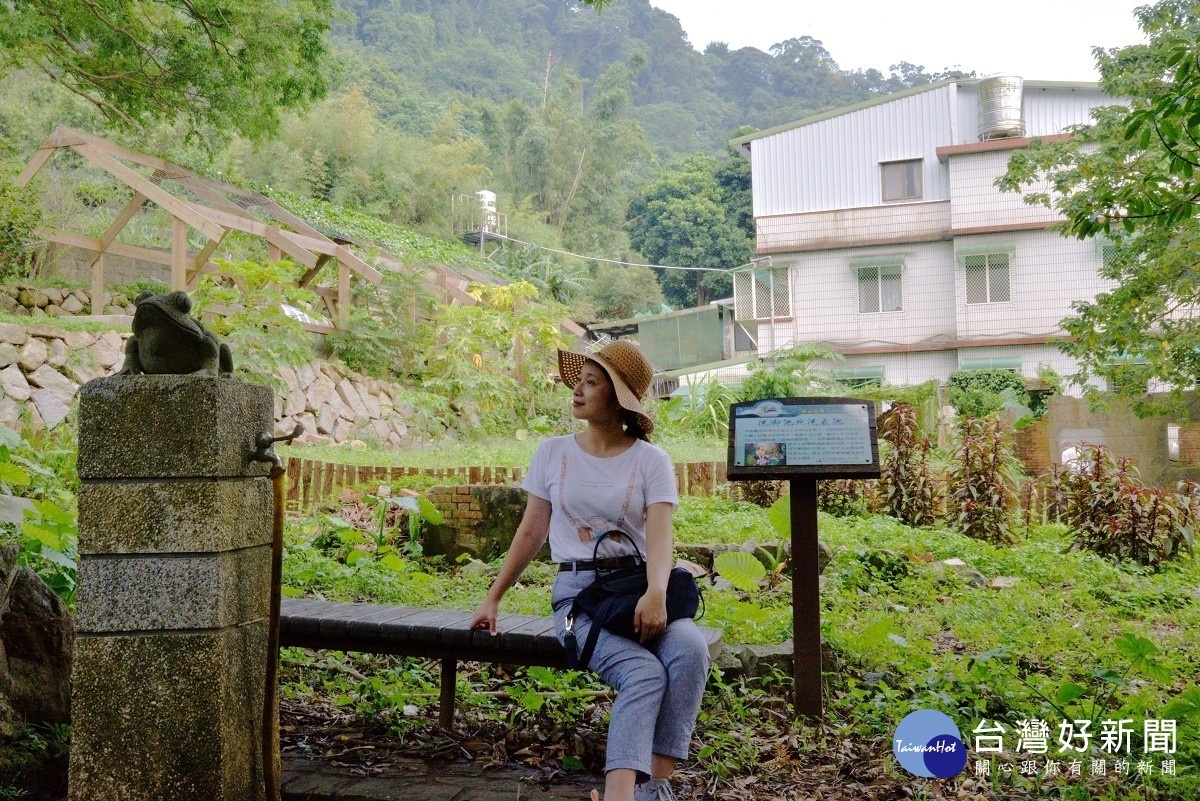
167	340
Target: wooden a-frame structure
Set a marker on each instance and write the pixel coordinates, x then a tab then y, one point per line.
213	208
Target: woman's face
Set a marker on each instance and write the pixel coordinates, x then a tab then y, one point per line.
594	398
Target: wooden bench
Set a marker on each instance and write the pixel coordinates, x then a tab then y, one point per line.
431	633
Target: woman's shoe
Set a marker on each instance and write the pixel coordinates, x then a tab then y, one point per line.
654	790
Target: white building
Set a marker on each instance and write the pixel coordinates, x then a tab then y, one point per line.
889	242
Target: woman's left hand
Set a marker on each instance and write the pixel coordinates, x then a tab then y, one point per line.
650	616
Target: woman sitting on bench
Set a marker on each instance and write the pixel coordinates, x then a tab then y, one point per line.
610	478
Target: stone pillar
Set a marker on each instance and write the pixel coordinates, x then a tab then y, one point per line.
172	603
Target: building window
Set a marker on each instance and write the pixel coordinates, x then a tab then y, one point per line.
901	180
760	293
879	289
988	277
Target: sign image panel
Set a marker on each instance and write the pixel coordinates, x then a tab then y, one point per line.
776	437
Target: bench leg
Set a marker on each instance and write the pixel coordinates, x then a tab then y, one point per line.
446	699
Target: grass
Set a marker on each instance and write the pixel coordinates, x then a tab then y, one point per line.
928	637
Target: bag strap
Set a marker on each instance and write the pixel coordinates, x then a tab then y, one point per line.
614	533
580	661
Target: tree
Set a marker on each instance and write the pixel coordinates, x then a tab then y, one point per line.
681	220
619	293
1132	176
231	65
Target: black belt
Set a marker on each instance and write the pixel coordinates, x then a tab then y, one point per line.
600	564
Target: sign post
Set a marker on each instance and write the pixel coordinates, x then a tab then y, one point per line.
803	440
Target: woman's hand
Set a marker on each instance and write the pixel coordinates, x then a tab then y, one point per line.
485	617
650	615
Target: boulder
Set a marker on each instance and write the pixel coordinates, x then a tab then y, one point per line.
8	354
10	413
12	333
50	407
58	352
108	350
36	636
33	354
53	294
13	382
78	340
47	377
72	305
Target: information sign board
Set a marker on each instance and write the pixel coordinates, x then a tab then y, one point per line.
778	438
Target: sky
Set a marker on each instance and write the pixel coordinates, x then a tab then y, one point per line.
1047	40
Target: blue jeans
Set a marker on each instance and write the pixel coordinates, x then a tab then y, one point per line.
659	685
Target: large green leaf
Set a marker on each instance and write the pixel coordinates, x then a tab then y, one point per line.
780	515
740	569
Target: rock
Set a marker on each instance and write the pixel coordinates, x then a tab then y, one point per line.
52	410
357	443
13	382
26	298
10	413
1004	582
47	377
58	354
824	555
41	300
8	354
304	376
119	300
53	294
19	311
475	567
114	309
81	367
382	429
349	395
295	402
278	407
13	334
33	354
36	634
374	409
309	422
7	303
78	340
54	310
109	348
340	431
974	578
72	305
46	332
288	376
326	420
954	564
37	311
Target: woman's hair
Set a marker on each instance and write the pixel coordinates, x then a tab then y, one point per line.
633	425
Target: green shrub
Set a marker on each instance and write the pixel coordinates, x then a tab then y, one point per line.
982	393
906	481
980	479
20	214
1112	513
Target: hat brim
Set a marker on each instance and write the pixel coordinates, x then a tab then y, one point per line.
570	365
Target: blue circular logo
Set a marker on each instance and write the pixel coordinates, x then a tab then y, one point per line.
927	743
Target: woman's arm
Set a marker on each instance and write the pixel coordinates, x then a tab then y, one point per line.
650	617
531	535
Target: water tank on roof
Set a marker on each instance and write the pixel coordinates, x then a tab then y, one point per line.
1000	108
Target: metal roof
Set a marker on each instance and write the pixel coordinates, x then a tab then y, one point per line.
742	143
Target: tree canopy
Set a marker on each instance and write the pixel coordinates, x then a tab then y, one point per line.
690	216
230	65
1132	179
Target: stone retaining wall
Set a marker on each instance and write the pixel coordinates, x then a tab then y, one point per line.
35	301
42	367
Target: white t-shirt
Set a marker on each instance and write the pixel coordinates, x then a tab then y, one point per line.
590	495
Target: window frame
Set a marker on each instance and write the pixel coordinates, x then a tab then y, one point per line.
918	176
987	256
878	269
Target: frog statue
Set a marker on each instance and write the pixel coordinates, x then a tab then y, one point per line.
167	340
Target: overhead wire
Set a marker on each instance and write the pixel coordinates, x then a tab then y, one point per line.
608	261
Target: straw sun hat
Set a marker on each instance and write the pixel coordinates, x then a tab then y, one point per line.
627	368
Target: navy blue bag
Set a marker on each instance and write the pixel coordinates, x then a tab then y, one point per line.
611	601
